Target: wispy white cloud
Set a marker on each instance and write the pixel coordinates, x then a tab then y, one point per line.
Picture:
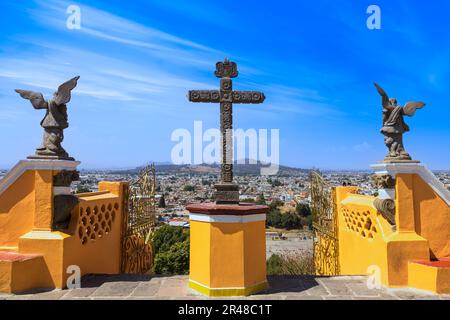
113	28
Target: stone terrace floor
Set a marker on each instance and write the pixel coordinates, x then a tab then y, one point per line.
101	287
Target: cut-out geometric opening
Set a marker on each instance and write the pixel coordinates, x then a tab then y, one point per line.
368	224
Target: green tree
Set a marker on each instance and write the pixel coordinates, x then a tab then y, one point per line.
248	200
82	188
303	209
164	237
274	219
162	202
276	183
276	204
261	199
290	221
188	188
173	261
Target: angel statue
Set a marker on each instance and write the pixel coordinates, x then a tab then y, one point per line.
394	125
55	120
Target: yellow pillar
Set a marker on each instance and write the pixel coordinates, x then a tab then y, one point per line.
405	203
227	249
43	193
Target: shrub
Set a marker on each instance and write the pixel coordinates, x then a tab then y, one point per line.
188	188
260	199
275	204
303	209
163	238
173	261
274	218
291	263
274	265
290	221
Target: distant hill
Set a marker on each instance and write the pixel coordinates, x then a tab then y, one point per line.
214	169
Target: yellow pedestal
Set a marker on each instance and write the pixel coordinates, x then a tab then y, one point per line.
227	249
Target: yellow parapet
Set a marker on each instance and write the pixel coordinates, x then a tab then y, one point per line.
32	254
227	249
369	244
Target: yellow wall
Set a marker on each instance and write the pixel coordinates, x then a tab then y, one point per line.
432	216
17	204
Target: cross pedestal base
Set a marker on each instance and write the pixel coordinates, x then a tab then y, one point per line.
227	249
226	193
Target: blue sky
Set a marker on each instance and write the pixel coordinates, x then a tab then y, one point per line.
315	61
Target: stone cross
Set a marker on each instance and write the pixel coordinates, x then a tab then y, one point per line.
226	191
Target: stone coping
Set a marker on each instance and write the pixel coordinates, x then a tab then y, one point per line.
16	257
241	209
414	168
25	165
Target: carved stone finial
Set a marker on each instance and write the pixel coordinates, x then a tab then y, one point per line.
226	69
64	178
387	209
383	181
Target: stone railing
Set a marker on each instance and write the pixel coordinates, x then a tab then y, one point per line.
360	216
95	215
363	233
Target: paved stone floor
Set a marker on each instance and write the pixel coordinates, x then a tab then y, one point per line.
281	287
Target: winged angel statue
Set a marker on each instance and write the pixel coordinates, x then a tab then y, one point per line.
394	125
55	120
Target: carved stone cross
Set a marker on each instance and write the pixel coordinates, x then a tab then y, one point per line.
227	192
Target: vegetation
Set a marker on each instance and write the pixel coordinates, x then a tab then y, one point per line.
291	263
290	221
188	188
303	209
166	236
274	218
83	188
162	202
171	245
173	261
261	199
297	219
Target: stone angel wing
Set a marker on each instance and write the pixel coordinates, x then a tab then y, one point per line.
62	96
36	98
410	107
384	97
